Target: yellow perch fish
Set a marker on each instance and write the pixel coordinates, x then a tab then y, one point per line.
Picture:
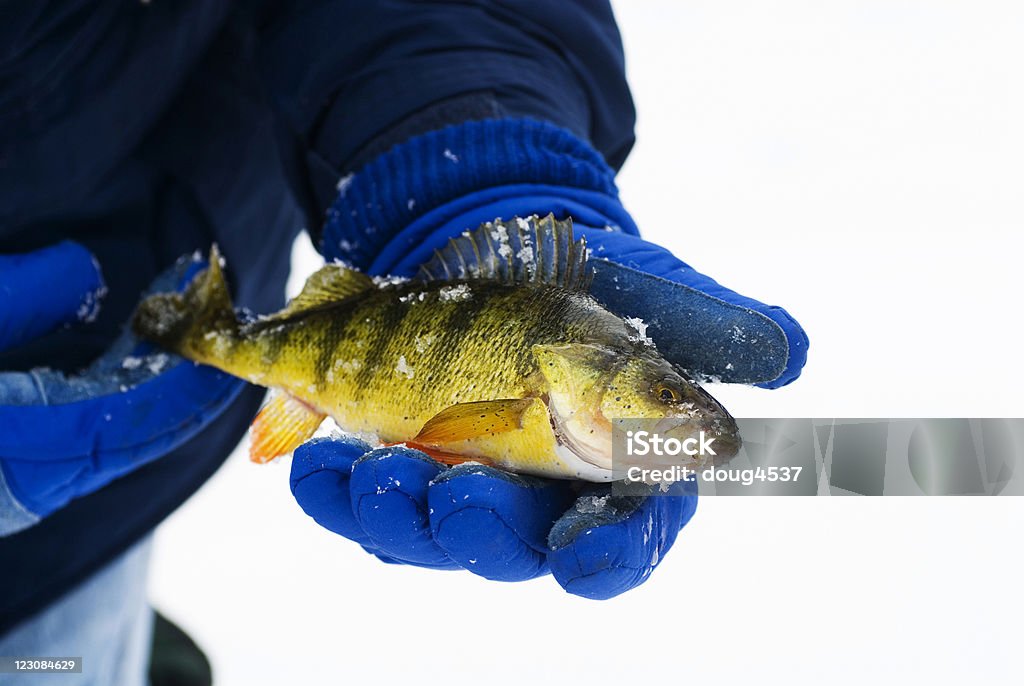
495	353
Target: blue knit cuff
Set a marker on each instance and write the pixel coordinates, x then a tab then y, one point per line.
399	199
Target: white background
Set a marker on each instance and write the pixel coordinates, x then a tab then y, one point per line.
861	164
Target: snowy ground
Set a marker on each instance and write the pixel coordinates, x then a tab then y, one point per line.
858	163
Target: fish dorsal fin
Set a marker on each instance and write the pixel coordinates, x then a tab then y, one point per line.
531	250
330	284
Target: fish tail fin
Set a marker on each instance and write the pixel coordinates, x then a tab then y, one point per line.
188	323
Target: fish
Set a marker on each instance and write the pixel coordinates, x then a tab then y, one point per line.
494	353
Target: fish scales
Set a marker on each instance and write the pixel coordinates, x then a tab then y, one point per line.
480	349
495	353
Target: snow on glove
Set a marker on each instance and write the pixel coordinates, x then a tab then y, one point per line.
406	508
62	437
402	506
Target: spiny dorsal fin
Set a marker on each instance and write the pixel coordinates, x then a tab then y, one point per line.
531	250
330	284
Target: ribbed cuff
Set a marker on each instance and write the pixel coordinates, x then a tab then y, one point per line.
412	183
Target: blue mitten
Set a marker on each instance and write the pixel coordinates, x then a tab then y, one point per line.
62	437
402	506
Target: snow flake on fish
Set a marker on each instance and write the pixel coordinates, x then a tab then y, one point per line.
450	156
499	234
423	342
349	366
413	297
347	245
411	204
638	325
404	369
738	334
220	346
455	293
386	281
131	362
525	254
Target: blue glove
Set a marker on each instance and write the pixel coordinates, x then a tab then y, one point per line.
402	506
63	437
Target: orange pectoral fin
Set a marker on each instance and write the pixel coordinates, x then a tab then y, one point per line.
473	420
282	426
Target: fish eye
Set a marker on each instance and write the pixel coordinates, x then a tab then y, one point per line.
667	393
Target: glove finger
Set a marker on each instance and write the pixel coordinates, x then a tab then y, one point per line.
493	523
53	453
388	495
126	364
606	545
321	470
62	437
696	322
41	290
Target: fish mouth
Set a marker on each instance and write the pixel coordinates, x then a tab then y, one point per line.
721	432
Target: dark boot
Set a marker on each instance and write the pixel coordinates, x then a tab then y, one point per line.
176	660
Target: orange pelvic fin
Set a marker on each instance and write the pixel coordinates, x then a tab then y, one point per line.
450	459
281	426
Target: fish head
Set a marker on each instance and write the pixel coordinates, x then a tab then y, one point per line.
589	386
648	387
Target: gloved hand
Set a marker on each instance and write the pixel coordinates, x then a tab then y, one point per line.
402	506
62	437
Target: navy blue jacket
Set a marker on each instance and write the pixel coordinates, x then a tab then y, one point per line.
147	131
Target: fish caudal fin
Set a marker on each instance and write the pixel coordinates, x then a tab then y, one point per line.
281	426
187	322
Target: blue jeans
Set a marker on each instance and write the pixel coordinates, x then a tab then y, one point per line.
106	620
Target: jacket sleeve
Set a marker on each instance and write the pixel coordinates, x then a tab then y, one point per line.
14	516
352	76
